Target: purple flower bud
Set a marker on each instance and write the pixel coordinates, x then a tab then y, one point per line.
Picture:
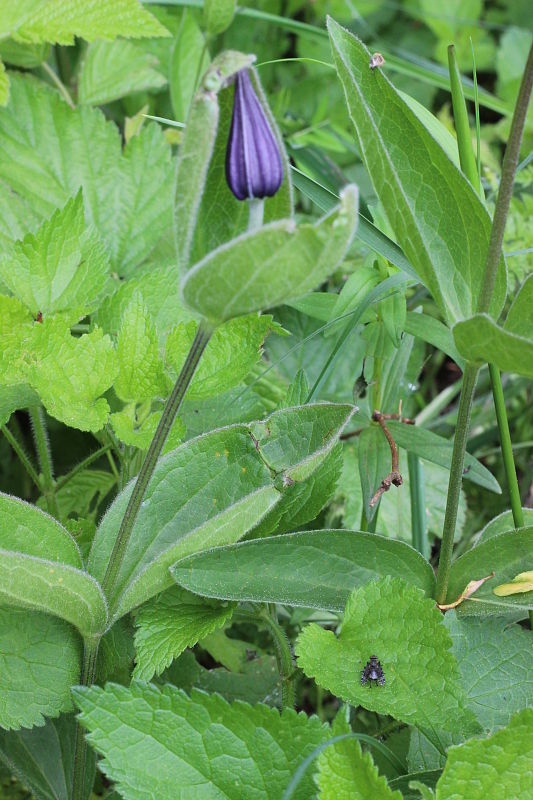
254	168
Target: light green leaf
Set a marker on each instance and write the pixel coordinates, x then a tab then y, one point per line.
70	374
110	71
506	555
4	85
190	58
116	653
14	397
218	15
59	21
27	56
39	662
501	524
493	768
140	369
209	492
232	351
171	622
313	569
439	220
375	461
272	265
136	433
16	329
482	340
395	621
496	664
257	748
63	267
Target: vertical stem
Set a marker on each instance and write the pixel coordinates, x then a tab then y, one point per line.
506	446
418	504
88	674
455	480
256	210
19	450
283	657
168	416
44	456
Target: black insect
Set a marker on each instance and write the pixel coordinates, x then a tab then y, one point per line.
372	672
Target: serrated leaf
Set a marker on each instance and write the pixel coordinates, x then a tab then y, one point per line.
16	327
489	769
481	339
496	664
140	369
267	267
171	622
439	220
139	434
392	619
245	738
63	266
313	569
14	397
39	663
110	71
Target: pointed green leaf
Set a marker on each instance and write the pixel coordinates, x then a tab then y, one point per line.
481	339
267	267
218	15
62	267
110	71
190	58
503	523
439	220
393	620
139	434
140	369
313	569
231	751
171	622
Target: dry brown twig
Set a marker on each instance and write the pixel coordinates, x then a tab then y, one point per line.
394	476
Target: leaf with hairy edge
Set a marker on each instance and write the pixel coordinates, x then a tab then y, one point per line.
171	622
507	555
140	369
210	491
493	768
481	339
110	71
231	751
503	523
63	267
313	569
392	619
269	266
14	397
39	662
439	220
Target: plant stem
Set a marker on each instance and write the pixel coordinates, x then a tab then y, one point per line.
40	437
88	674
82	465
506	446
59	83
283	656
418	504
19	450
168	416
256	210
456	477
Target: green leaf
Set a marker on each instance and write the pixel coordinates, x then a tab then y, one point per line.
140	369
4	85
482	340
433	331
63	267
139	432
40	661
394	620
171	622
41	568
59	21
14	397
116	653
246	739
110	71
312	569
70	374
210	491
231	353
497	767
431	447
439	220
27	56
501	524
82	494
190	58
506	555
521	312
496	667
375	461
218	15
270	266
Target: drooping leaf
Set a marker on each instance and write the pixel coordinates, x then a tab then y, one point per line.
393	620
431	330
439	220
257	748
171	622
140	369
481	339
110	71
313	569
190	58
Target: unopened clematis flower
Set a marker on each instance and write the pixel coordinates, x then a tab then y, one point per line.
254	168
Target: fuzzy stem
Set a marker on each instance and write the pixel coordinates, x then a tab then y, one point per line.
87	678
284	658
256	211
168	416
40	437
24	459
506	446
59	83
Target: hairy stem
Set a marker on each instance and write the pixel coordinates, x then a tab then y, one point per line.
23	457
283	657
506	446
87	678
40	437
59	83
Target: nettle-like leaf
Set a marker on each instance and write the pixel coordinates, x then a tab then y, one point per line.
230	751
232	351
211	491
41	568
110	71
313	569
39	662
267	267
63	267
138	430
393	620
12	397
140	368
16	327
171	622
496	664
497	767
439	220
